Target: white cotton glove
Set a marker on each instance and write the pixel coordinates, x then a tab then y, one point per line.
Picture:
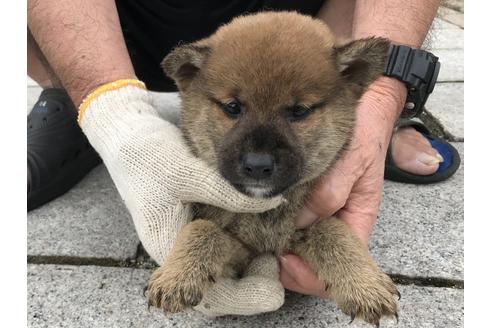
258	291
158	179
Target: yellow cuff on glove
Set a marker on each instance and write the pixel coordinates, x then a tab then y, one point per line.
111	86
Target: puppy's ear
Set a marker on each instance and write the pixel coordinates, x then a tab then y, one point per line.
184	63
362	61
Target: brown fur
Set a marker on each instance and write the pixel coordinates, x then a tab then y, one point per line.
271	61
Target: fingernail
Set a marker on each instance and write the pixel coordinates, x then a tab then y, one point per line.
429	159
285	264
305	218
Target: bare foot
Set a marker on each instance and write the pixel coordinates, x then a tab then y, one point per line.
413	153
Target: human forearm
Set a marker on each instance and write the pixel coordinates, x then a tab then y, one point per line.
82	41
403	22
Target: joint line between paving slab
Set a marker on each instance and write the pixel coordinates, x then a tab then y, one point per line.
73	260
450	81
449	14
107	262
427	281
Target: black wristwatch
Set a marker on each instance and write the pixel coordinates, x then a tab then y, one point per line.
418	69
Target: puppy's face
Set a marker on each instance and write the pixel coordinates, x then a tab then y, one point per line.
269	99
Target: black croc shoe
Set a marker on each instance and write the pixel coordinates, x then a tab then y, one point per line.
58	153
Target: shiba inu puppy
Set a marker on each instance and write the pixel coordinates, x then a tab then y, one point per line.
269	100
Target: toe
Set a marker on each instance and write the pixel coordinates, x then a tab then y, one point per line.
413	153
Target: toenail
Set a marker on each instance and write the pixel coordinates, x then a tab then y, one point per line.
429	159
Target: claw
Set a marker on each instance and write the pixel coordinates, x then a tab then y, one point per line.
158	297
399	295
377	324
148	305
146	287
352	318
211	278
397	318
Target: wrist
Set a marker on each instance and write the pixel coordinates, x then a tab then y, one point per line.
387	96
117	88
111	118
79	89
406	23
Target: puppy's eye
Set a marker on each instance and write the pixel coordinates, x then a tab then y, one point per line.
299	112
232	108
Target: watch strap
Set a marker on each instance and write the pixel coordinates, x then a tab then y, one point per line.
418	69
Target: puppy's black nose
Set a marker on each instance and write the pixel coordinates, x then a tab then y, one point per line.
258	166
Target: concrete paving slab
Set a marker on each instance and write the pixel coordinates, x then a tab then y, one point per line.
91	221
33	93
71	296
31	82
88	221
419	231
458	5
446	104
441	24
445	39
452	65
450	15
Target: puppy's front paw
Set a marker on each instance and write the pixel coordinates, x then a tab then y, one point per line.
368	297
176	290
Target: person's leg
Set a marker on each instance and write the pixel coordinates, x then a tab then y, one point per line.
58	153
38	67
338	15
82	41
411	151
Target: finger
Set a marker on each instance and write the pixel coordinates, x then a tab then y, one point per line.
159	230
247	296
360	219
265	266
362	207
259	291
331	192
297	276
289	283
205	185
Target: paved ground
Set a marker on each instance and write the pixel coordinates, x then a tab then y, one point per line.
86	268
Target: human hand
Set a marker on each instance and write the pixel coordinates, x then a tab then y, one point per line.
351	190
258	291
158	179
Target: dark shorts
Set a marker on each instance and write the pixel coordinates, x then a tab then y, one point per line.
152	28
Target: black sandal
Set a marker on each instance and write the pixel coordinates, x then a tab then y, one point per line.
446	169
58	153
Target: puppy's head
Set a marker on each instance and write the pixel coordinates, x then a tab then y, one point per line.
269	99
